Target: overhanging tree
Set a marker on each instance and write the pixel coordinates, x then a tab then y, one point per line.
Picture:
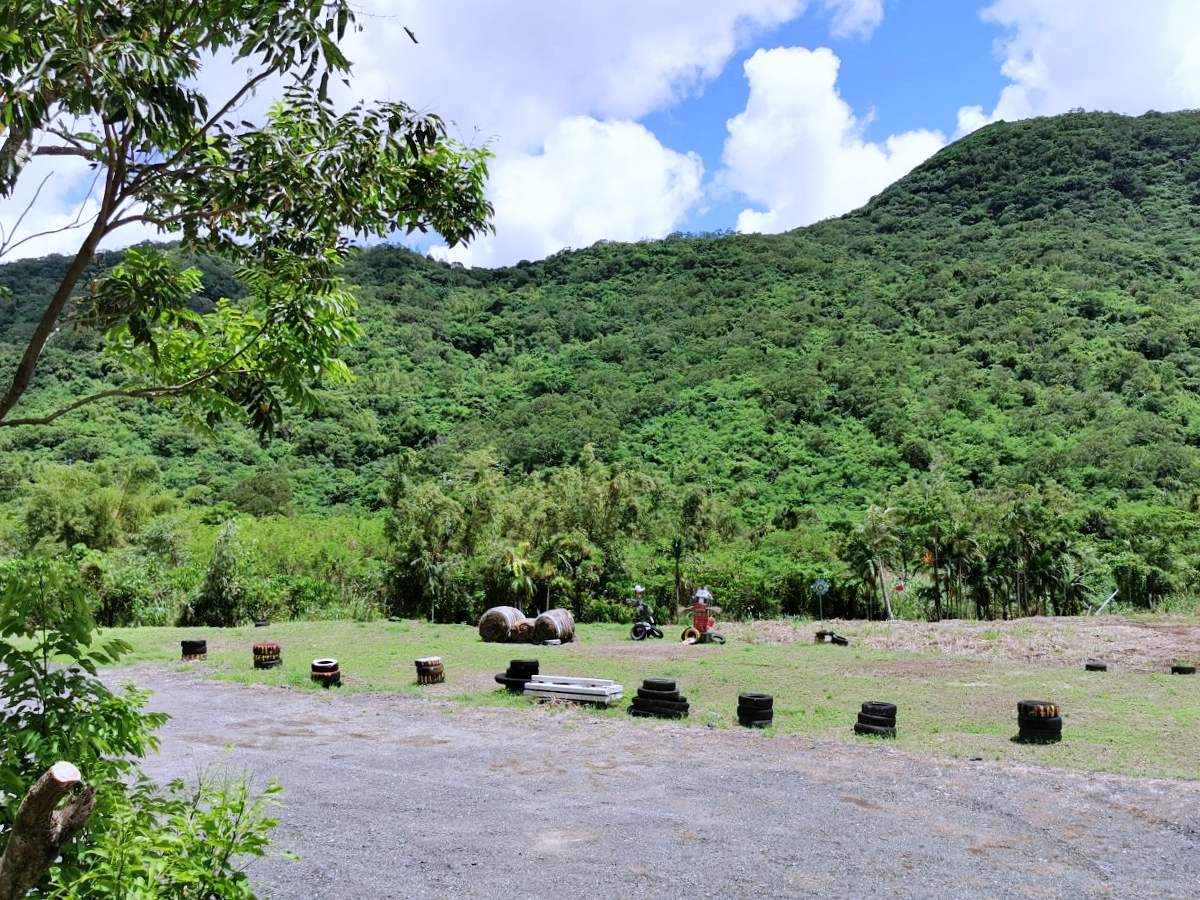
115	84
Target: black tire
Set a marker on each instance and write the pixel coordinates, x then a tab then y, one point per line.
523	665
874	730
261	623
658	695
690	633
1095	667
758	715
658	684
839	640
661	705
716	638
879	721
513	684
1037	709
655	632
1183	670
879	708
638	631
755	701
268	664
324	665
1051	724
193	647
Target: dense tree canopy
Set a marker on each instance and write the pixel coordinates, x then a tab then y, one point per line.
1000	352
116	85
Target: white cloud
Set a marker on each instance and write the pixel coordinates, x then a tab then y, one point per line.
798	150
593	180
854	18
1109	55
533	78
514	70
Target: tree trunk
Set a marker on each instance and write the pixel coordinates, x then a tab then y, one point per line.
41	829
937	584
887	600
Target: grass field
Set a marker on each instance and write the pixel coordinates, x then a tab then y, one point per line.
1132	723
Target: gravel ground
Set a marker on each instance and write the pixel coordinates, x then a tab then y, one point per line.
402	797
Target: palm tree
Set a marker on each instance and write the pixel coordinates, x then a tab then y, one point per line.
878	535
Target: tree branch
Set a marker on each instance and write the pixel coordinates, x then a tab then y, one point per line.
172	390
55	150
41	829
46	325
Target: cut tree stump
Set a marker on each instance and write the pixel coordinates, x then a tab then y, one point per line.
42	829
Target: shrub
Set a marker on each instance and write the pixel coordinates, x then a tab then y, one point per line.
220	600
142	840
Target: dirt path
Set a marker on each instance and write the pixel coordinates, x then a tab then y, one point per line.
400	797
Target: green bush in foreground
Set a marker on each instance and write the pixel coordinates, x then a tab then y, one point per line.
143	840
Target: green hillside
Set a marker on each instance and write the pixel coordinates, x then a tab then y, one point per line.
1004	346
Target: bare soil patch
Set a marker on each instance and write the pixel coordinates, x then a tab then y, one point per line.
1128	644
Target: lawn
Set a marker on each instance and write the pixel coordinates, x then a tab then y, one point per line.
1133	723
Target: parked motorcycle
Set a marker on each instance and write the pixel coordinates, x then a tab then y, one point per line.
643	619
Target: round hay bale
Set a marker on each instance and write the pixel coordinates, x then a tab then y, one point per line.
497	624
554	624
523	633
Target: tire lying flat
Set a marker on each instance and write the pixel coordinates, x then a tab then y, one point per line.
878	721
874	730
658	684
879	708
1037	709
755	701
648	694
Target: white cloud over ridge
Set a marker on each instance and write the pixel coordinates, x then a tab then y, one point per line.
1108	55
798	149
592	180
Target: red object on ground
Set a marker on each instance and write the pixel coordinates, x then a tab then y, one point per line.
701	620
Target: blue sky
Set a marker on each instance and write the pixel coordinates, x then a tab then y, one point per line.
631	119
924	62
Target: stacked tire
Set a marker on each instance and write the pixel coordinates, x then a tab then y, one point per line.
518	674
877	719
193	650
755	710
326	673
430	670
267	655
1038	722
659	698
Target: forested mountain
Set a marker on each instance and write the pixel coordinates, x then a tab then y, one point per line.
1004	346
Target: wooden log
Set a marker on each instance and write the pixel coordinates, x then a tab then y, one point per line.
554	624
40	830
497	624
